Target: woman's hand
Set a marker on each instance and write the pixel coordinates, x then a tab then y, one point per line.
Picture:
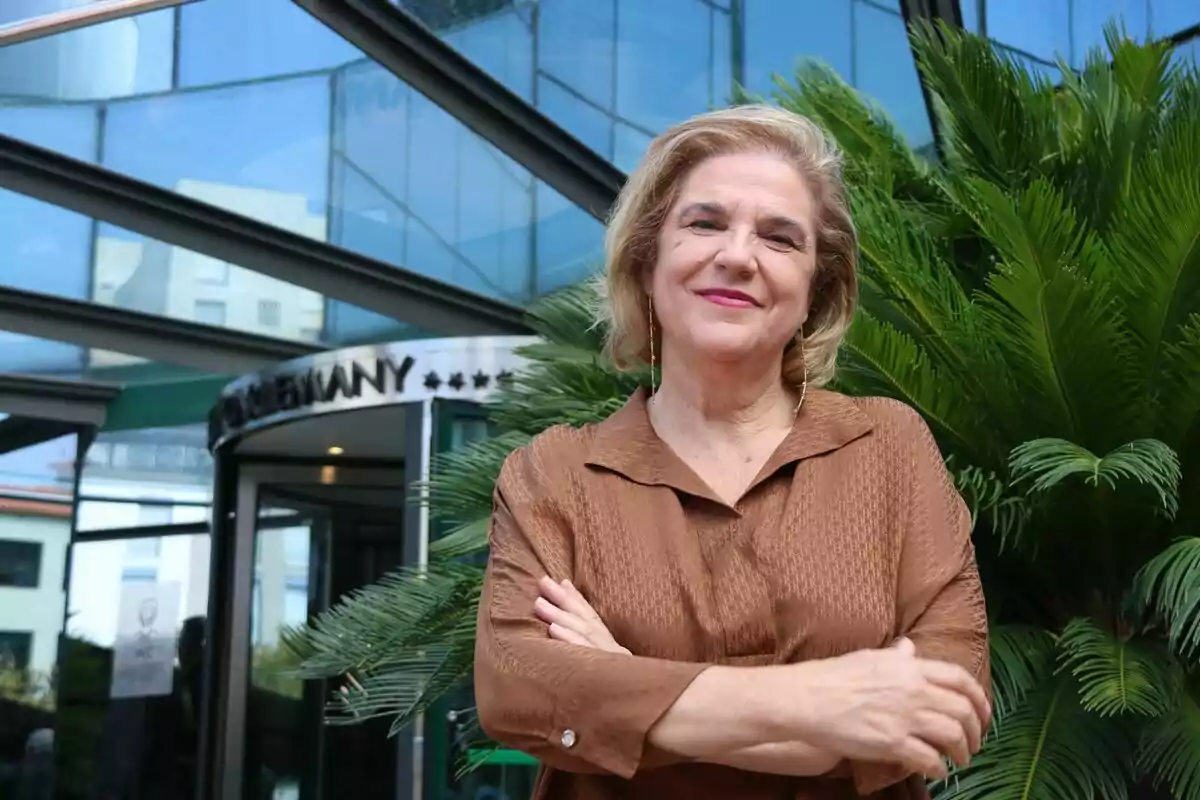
891	706
571	618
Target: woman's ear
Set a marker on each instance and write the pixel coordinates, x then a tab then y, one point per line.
648	281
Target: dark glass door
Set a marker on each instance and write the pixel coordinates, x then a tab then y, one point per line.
312	543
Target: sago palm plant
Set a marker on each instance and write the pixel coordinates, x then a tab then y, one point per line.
1035	294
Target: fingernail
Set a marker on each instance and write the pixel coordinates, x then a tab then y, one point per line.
568	584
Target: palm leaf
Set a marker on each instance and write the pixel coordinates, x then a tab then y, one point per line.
1180	393
1021	657
462	481
1047	304
467	539
389	622
1047	463
873	146
1116	675
995	118
989	497
890	359
1169	585
1169	752
1047	748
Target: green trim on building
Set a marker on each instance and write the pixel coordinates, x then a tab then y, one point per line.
500	757
165	404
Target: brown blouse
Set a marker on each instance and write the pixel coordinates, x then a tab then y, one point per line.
850	536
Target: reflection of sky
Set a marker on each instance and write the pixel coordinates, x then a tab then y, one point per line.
1046	28
42	465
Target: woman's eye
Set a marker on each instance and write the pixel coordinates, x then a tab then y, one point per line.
782	241
703	224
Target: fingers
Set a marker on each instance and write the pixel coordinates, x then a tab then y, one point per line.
959	708
564	595
905	645
922	759
548	612
567	635
944	733
955	678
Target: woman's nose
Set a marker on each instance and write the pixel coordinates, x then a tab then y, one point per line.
737	251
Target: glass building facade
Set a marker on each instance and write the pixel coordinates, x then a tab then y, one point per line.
212	186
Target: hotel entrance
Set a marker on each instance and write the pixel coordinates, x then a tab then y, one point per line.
316	465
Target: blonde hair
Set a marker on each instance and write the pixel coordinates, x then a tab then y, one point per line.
631	242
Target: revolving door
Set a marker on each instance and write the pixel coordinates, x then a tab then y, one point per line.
316	463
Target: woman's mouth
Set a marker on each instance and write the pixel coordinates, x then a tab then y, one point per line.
730	298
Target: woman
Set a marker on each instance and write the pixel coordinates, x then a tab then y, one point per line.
739	585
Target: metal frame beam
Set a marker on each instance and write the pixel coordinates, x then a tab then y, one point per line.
189	344
71	19
17	433
168	216
400	43
72	401
933	11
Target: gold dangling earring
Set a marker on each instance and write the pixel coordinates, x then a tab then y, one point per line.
804	364
653	365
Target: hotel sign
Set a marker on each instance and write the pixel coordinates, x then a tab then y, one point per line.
468	368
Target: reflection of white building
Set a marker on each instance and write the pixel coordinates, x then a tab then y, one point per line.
158	278
35	530
133	480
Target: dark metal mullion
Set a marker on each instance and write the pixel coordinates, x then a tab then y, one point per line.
17	433
334	212
405	47
83	402
173	218
172	341
933	11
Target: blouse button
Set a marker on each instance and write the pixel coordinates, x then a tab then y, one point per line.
568	738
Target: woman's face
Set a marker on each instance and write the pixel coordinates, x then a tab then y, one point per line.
736	259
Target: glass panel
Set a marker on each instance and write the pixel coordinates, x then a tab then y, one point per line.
147	477
63	66
1189	51
363	162
1046	30
1171	16
36	486
130	685
885	70
313	545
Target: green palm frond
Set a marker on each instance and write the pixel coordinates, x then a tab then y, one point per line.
1047	748
1155	239
1116	675
465	539
407	685
880	356
874	147
991	498
461	486
1021	658
568	318
1048	305
1169	586
1047	463
1180	396
392	621
996	118
1169	752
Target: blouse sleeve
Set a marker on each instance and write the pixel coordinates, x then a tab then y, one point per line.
940	604
572	708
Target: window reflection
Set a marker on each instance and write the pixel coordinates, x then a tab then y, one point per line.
36	485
